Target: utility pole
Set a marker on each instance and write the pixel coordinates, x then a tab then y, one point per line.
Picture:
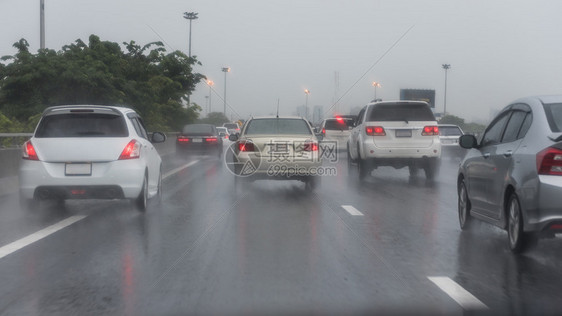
446	67
225	70
42	24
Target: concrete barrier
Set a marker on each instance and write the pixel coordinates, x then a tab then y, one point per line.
10	161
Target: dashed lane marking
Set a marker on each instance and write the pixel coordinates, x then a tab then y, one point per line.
174	171
28	240
466	300
352	210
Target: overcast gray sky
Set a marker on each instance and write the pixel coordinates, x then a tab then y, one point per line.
498	50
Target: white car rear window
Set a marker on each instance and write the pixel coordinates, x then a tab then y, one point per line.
82	125
277	127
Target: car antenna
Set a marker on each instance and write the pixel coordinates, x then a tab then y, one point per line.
277	108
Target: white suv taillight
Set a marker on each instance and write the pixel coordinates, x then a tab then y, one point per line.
549	161
375	131
430	131
131	151
28	151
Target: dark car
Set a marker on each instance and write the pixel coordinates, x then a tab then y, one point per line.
200	139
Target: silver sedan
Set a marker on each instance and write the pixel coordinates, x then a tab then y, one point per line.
512	178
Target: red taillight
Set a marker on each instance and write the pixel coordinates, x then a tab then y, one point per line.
183	139
339	119
375	131
246	146
430	131
324	131
556	226
28	151
211	140
310	145
131	151
549	161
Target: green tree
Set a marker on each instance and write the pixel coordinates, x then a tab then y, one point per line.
215	118
145	78
452	119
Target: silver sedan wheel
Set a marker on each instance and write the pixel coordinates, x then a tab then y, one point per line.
515	227
464	218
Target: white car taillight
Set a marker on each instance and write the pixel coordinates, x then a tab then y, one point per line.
310	145
549	161
28	151
430	131
131	151
246	146
375	131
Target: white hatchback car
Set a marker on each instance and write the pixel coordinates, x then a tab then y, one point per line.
336	129
397	134
91	152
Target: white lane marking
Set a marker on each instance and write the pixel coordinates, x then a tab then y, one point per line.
458	293
352	210
26	241
170	173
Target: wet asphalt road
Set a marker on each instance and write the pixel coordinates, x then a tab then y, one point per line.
272	248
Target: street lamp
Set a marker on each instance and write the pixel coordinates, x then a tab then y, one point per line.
225	70
190	16
376	85
306	93
210	83
446	67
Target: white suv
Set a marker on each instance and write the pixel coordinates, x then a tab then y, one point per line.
397	134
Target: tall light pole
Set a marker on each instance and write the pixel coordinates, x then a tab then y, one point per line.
376	85
190	16
225	70
42	24
210	83
306	93
446	67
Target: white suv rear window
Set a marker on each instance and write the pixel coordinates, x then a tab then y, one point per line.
400	112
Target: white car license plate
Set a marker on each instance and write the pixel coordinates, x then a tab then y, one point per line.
78	169
198	140
403	133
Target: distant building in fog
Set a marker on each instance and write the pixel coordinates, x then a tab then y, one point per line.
302	111
317	114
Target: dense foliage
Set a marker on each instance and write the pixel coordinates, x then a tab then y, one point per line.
145	78
215	118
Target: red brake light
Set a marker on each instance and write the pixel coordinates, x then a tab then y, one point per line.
310	145
183	139
375	131
549	161
339	119
430	131
324	131
131	151
28	151
246	146
211	139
